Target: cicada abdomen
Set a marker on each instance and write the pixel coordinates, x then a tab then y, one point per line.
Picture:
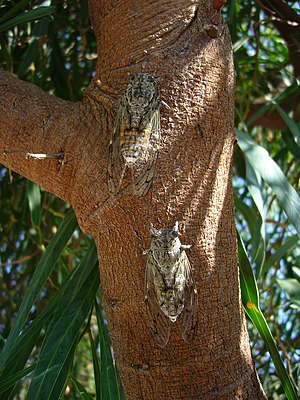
136	136
170	290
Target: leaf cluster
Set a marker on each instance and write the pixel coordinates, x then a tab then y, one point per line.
266	184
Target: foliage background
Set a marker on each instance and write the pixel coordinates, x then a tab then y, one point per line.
58	53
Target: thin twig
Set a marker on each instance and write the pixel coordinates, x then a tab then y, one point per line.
22	259
36	156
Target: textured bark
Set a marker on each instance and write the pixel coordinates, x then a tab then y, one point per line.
192	185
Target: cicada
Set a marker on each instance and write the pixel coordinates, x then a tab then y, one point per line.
170	290
135	139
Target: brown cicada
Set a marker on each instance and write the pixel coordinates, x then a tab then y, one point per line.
136	135
170	290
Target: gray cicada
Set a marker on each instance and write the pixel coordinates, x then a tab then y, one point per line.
136	135
170	291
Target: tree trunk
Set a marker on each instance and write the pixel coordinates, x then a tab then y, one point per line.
185	44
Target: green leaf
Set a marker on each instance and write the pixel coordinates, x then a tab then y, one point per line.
247	280
249	214
28	337
296	271
34	201
256	189
261	161
30	55
96	365
31	15
280	253
250	301
38	280
81	390
291	286
13	379
239	44
261	111
111	385
21	4
261	325
293	127
63	333
290	143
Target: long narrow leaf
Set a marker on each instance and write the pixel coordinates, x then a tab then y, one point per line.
111	385
38	280
249	214
13	379
272	174
276	257
31	15
28	338
290	143
292	287
250	301
21	4
248	283
81	390
256	189
293	127
62	335
261	325
34	201
96	365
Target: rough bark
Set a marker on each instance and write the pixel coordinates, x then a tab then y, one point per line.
192	185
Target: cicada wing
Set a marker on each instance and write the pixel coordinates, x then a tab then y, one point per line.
143	171
116	163
189	316
160	324
143	175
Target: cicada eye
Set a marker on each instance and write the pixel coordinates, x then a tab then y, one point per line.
154	232
175	234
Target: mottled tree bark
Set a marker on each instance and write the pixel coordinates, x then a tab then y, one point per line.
194	70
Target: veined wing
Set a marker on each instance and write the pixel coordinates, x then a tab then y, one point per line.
143	171
188	318
160	324
116	163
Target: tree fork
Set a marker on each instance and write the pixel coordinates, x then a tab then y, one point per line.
186	46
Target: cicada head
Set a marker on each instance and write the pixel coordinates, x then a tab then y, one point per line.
165	245
141	99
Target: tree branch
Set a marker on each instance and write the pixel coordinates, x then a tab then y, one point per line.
47	139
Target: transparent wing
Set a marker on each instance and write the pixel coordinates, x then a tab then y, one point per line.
188	317
143	172
116	163
160	324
